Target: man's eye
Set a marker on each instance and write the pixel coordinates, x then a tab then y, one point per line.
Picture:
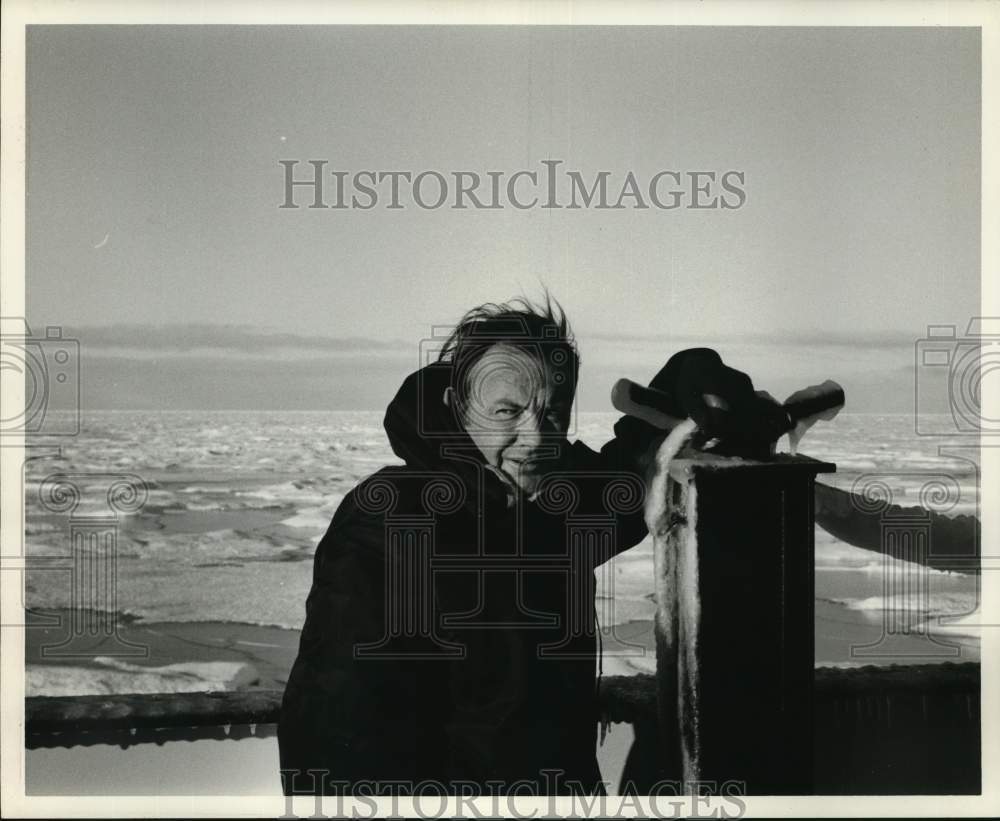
506	412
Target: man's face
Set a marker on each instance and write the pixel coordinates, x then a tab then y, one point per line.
517	412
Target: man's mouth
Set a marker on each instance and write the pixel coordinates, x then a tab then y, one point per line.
524	464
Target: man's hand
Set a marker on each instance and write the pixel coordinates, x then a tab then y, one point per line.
732	417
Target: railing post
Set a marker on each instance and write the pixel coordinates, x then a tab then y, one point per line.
734	622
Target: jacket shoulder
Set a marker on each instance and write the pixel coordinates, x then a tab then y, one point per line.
398	491
365	506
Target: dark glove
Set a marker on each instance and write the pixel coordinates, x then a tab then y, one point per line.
722	401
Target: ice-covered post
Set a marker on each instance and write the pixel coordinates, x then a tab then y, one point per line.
734	622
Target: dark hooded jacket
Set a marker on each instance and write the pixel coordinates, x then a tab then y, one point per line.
450	629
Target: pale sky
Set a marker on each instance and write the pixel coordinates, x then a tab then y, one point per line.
154	184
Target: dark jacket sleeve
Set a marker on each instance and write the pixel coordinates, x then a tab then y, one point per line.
326	702
356	716
625	456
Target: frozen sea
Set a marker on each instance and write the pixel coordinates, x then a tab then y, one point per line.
238	500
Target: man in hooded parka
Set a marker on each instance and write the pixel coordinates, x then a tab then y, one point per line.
450	631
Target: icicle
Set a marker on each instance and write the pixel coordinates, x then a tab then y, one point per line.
672	572
605	726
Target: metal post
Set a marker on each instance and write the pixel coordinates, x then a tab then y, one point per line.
735	619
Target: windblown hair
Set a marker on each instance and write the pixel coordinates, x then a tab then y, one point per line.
539	329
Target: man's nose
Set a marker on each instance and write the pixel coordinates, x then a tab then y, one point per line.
531	429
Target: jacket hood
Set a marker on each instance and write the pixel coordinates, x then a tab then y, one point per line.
418	422
423	431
